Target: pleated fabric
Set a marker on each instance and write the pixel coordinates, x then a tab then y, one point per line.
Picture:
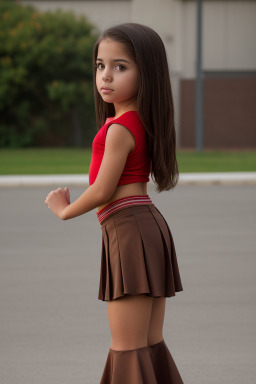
138	255
147	365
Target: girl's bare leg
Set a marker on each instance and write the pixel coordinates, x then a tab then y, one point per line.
129	320
155	332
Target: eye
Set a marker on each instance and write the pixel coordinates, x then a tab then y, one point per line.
121	67
97	65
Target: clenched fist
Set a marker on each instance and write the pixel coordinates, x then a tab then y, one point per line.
57	200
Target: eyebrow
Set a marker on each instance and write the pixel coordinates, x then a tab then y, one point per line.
125	61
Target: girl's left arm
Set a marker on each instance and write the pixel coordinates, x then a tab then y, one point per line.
57	201
119	143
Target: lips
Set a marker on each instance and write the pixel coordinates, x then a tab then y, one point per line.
107	88
106	91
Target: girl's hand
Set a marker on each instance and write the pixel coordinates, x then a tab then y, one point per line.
58	200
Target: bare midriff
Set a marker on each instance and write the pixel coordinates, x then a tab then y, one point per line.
121	191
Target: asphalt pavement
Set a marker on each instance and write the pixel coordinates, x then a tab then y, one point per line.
53	328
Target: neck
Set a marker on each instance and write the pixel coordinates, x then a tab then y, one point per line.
121	109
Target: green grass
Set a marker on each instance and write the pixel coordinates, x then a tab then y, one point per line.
44	161
217	161
76	161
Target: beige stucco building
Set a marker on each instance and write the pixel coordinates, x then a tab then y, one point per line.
228	60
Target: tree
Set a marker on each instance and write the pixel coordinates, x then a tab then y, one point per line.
46	87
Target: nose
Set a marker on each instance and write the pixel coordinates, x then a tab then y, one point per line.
106	75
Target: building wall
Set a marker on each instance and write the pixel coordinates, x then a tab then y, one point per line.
229	41
228	30
229	112
102	14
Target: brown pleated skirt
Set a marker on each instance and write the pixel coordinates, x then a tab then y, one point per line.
138	254
147	365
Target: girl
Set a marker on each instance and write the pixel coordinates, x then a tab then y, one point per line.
136	137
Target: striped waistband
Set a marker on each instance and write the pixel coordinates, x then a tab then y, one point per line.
122	203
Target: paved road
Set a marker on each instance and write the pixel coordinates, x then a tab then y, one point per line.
53	328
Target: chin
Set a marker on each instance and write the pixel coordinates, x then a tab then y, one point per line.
107	101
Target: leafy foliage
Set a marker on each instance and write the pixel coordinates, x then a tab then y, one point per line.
46	90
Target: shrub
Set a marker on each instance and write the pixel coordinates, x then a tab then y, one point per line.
46	90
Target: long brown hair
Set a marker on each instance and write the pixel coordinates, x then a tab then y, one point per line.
154	99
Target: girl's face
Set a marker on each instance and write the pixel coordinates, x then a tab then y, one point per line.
117	75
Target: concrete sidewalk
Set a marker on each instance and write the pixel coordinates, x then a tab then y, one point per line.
82	179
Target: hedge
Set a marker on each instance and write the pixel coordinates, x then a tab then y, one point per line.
46	90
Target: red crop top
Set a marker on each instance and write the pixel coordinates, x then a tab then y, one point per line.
138	165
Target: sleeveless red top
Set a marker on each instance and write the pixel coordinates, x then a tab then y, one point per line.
138	164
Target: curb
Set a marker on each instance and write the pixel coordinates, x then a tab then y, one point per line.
226	178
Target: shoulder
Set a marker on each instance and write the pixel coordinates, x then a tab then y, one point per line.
119	136
130	120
